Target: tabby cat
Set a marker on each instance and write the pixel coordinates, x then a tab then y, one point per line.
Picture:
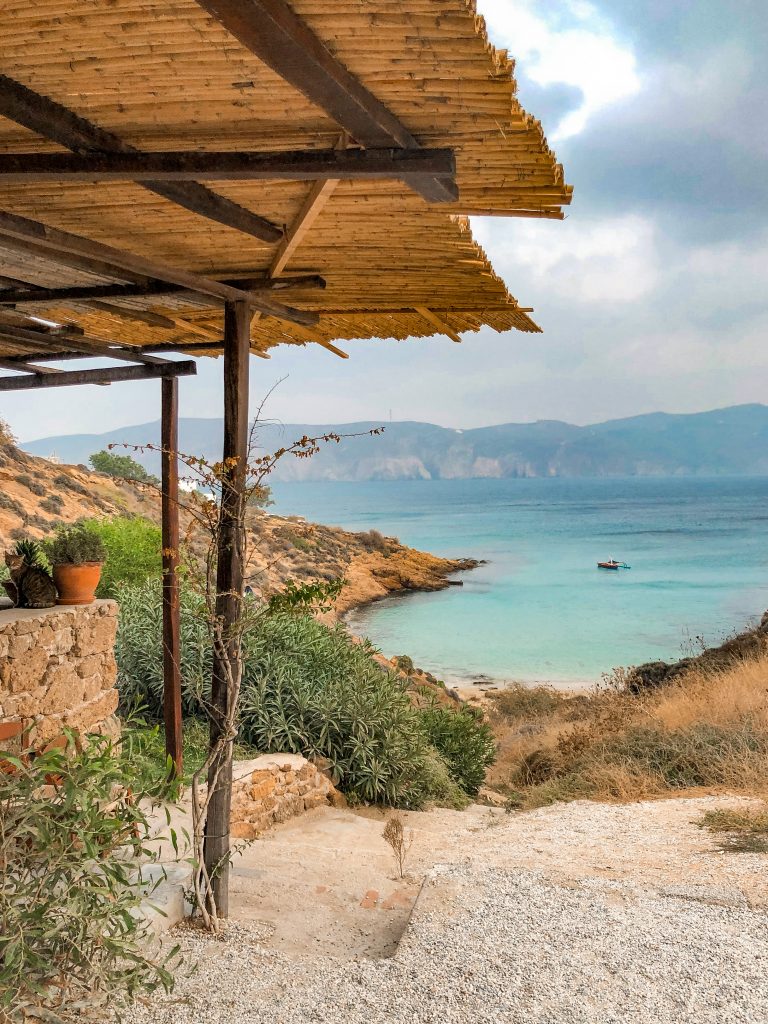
29	586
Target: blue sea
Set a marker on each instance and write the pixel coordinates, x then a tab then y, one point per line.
539	609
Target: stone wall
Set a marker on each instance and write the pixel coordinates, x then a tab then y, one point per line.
273	788
57	670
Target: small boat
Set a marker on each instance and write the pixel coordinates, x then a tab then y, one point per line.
613	564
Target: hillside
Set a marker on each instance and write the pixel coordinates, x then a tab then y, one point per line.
36	495
724	442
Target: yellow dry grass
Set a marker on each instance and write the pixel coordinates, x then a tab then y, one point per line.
709	730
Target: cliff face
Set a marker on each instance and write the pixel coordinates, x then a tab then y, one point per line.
37	495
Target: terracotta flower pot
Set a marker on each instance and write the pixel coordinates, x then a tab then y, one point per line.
77	584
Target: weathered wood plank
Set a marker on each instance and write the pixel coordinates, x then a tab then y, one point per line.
110	375
229	588
309	165
171	598
21	292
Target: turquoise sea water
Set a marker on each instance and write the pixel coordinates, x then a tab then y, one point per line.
540	609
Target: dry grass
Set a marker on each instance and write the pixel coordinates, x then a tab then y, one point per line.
705	730
740	830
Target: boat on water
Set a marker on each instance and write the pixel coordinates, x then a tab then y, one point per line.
613	564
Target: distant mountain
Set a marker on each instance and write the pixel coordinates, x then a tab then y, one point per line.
727	442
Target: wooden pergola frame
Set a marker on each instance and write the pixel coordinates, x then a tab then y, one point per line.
373	144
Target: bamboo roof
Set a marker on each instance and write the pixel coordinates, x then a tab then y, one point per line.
171	77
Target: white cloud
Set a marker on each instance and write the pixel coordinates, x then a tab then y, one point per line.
583	54
605	262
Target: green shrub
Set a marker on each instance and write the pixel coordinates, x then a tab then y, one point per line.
307	688
133	548
463	740
69	932
75	545
122	467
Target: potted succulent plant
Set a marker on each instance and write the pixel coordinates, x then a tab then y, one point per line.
77	555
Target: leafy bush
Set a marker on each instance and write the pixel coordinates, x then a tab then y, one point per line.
464	742
122	467
133	547
69	822
307	689
75	545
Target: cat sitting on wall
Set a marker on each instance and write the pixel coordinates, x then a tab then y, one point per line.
30	585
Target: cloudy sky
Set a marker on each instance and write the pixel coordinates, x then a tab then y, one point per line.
652	293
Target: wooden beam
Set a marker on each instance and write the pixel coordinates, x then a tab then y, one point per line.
110	375
171	598
302	165
318	196
13	295
440	325
53	121
229	589
65	243
88	264
273	31
24	367
332	348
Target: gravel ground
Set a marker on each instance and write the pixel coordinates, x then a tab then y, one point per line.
490	944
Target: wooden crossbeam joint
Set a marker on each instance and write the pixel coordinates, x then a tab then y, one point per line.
53	121
278	36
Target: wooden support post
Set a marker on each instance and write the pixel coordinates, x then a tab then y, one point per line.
229	588
170	541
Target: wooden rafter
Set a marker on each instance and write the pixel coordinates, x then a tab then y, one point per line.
63	243
88	264
53	121
22	292
332	348
318	196
440	325
308	165
26	367
273	31
109	375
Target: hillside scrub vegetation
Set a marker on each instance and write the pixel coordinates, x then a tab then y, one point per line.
708	728
122	467
311	689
